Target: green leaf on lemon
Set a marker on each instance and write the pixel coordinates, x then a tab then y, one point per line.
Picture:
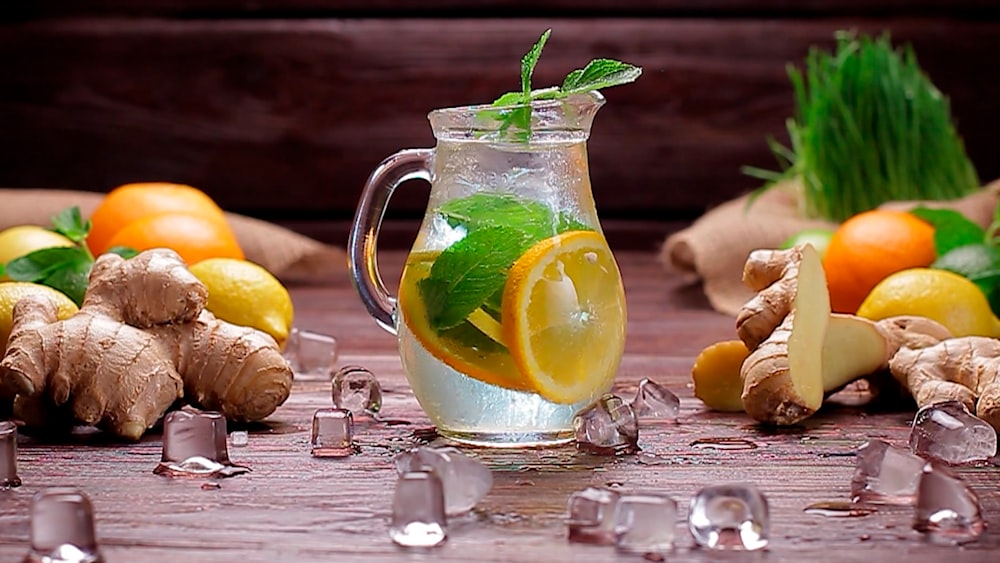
70	223
951	229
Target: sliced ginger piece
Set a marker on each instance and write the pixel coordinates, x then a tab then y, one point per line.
853	347
716	375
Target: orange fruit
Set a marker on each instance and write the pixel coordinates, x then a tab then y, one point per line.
869	247
130	202
194	237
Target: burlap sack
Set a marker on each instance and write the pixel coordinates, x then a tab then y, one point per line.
288	255
716	246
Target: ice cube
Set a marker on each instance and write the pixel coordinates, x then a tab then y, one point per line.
948	432
465	480
62	527
645	523
194	444
332	433
240	438
884	474
947	510
356	389
8	455
312	355
654	401
592	516
418	515
608	426
730	516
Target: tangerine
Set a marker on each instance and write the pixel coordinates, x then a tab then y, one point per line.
193	237
870	246
130	202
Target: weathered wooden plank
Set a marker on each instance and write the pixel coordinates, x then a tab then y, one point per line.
506	8
284	119
292	507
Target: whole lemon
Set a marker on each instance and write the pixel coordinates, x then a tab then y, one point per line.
23	239
940	295
244	293
12	292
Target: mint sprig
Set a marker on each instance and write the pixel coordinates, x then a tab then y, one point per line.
65	268
598	74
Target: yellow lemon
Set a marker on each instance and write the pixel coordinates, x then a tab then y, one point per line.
244	293
940	295
18	241
564	316
12	292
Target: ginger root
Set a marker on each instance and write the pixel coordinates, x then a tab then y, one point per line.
800	351
141	341
716	375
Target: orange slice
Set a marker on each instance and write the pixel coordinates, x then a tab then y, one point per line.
563	316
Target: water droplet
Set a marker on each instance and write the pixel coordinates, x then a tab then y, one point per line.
839	509
723	444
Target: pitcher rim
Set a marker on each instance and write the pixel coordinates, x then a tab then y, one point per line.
594	96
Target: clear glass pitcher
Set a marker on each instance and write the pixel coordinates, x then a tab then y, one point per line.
511	314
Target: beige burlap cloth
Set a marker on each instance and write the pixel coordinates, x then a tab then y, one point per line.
288	255
716	245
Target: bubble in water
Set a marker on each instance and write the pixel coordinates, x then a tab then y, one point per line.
356	389
312	355
418	515
194	445
62	527
733	516
8	455
332	433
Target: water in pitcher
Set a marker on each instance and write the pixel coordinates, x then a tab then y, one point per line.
511	312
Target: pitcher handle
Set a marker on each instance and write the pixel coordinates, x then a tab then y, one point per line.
405	165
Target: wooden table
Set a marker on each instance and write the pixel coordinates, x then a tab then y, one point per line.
293	507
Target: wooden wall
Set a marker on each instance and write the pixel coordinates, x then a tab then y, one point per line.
280	108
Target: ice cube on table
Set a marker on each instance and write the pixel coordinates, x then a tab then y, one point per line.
195	444
885	474
8	455
730	516
948	432
356	389
332	433
418	514
653	401
62	527
465	480
592	516
947	510
240	438
645	523
312	355
609	426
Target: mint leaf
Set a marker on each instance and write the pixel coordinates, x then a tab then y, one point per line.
599	73
71	278
528	62
498	210
951	228
123	251
468	272
69	223
40	264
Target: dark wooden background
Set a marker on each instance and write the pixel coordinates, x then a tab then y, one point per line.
280	108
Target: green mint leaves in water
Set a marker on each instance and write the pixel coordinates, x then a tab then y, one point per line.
472	272
598	74
65	268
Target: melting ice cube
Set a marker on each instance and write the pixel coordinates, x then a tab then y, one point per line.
948	432
465	480
312	355
884	474
645	523
356	389
8	455
62	527
592	516
194	444
947	510
240	438
733	516
608	426
655	401
418	515
332	433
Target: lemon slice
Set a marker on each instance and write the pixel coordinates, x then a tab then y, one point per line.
563	316
470	348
